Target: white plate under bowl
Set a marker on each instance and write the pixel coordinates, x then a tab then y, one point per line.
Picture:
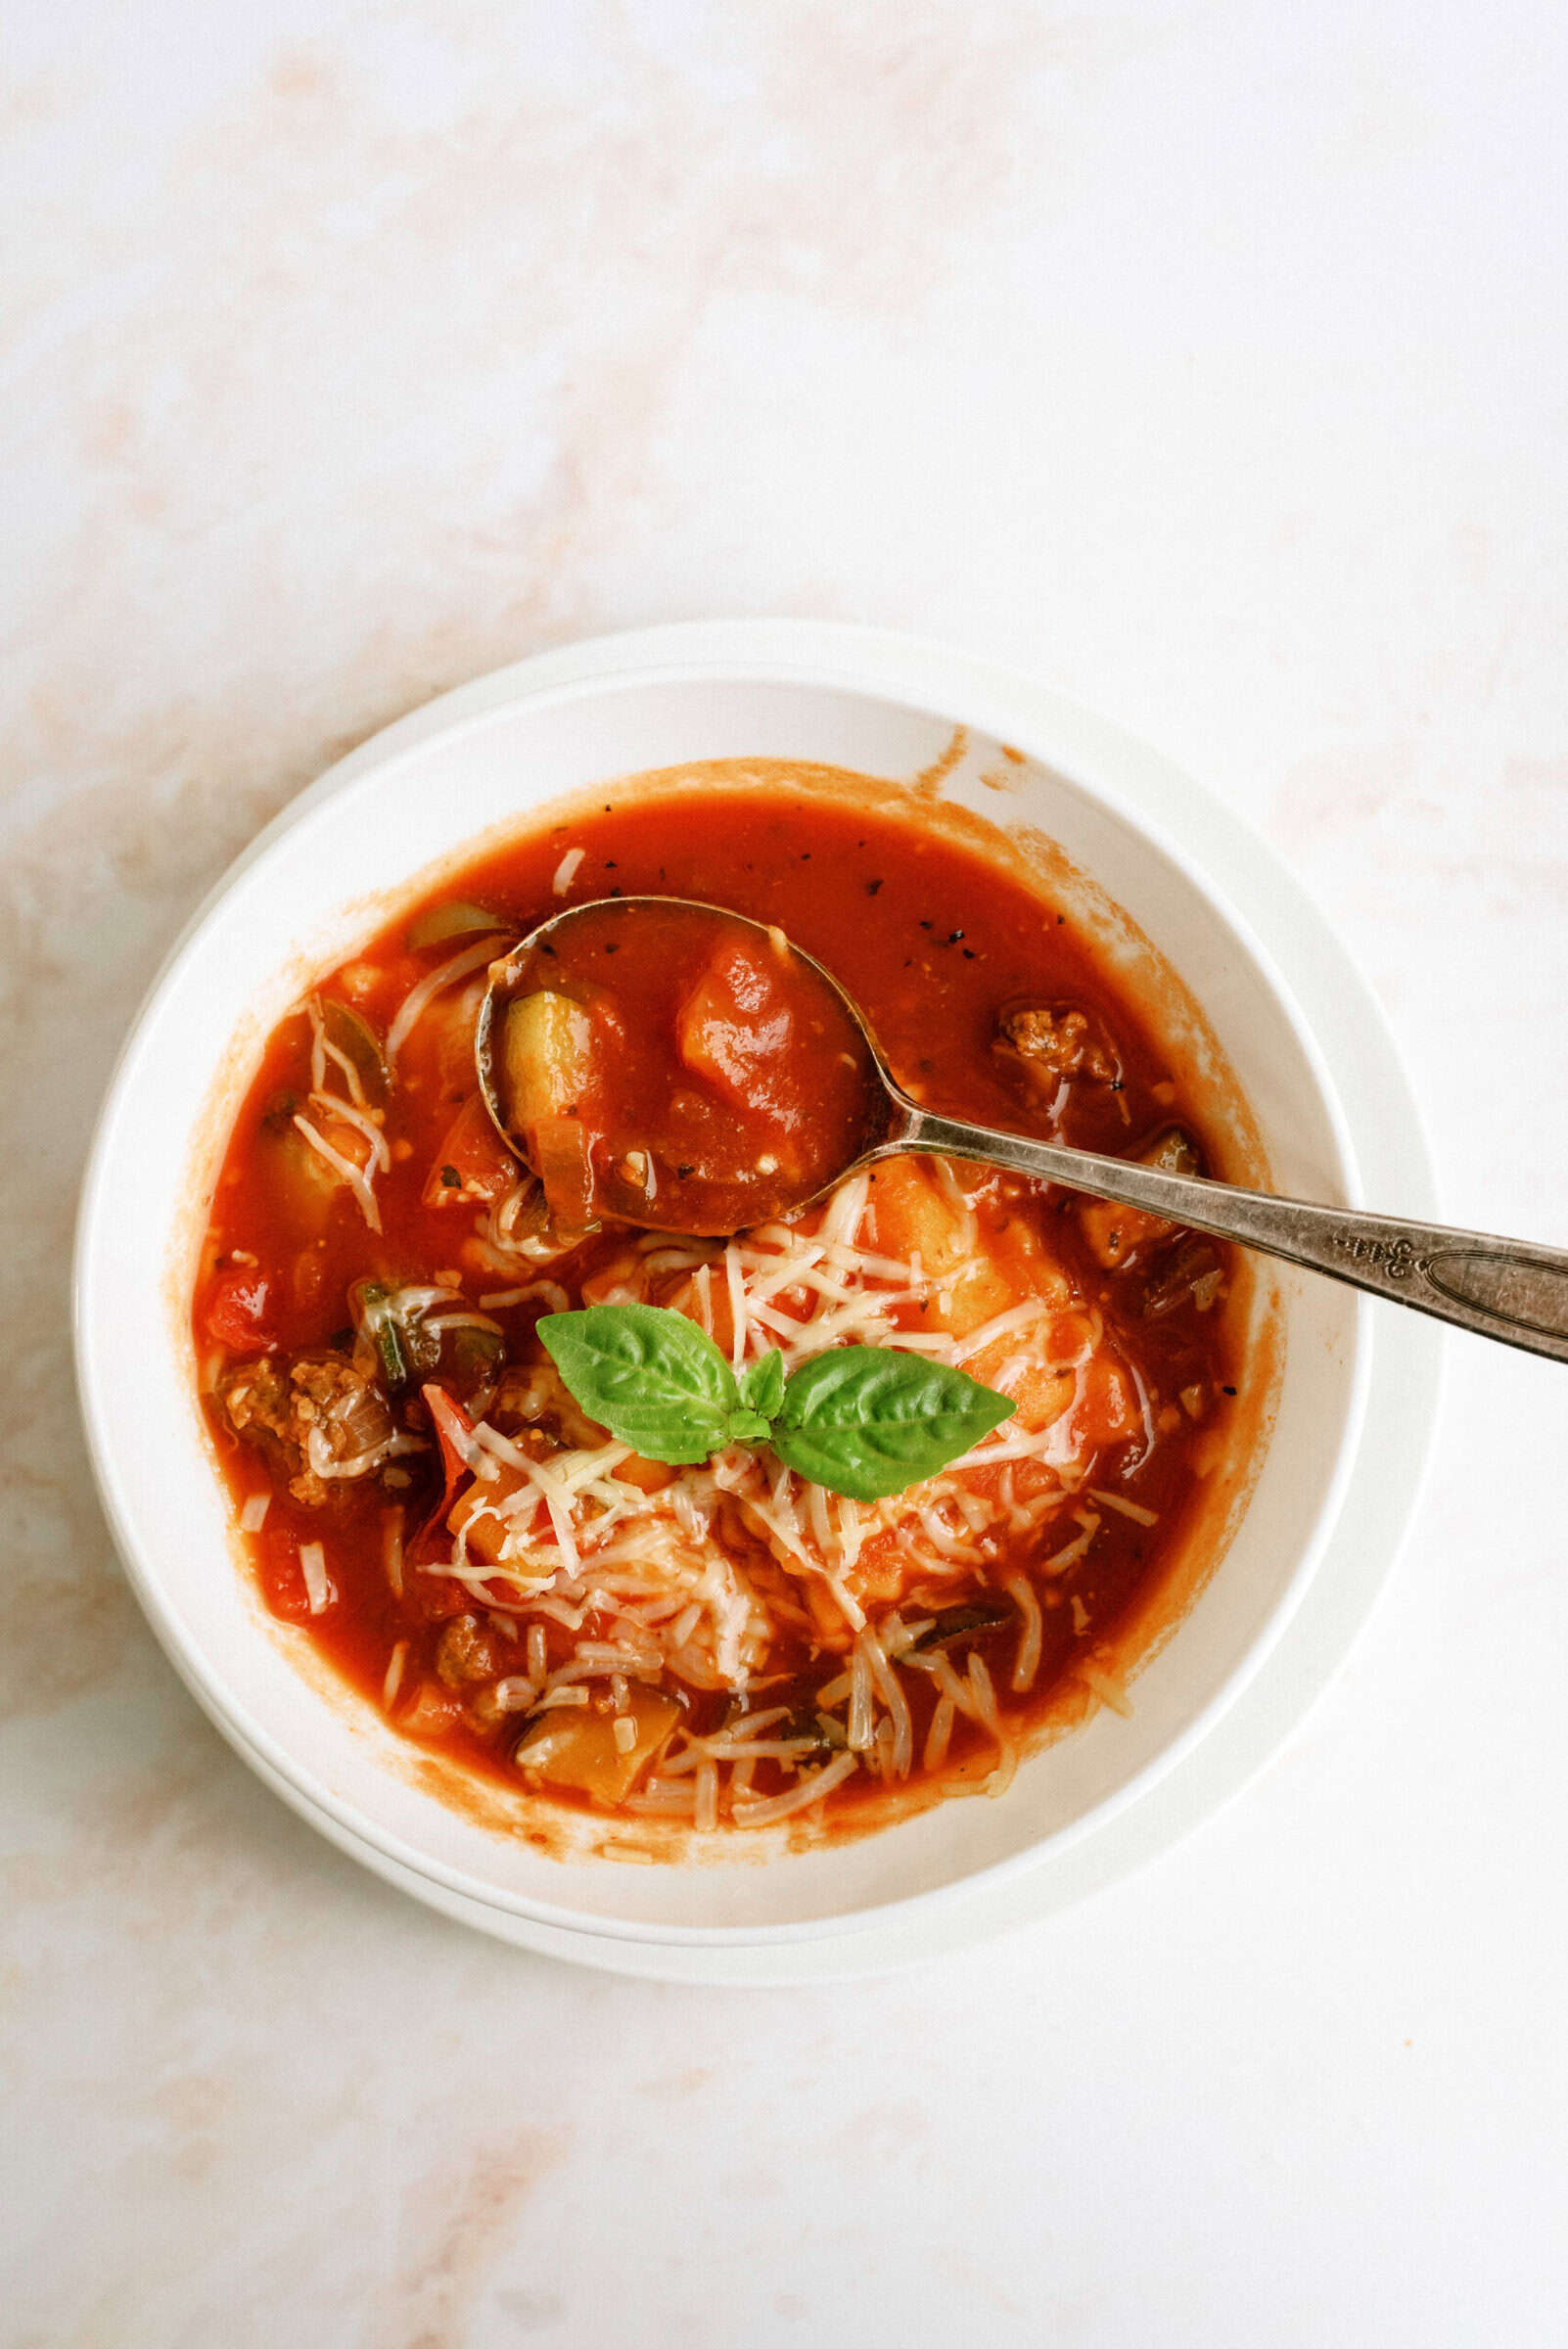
1299	1031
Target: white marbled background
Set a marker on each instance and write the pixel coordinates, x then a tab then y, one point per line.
1205	356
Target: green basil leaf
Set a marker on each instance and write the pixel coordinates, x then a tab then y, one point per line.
748	1427
649	1375
761	1385
371	1306
867	1421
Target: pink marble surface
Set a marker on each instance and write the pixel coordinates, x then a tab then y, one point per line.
1209	361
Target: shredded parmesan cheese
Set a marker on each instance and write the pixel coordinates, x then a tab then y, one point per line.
355	1178
1070	1556
419	998
549	1291
395	1675
812	1790
1127	1509
1022	1597
318	1587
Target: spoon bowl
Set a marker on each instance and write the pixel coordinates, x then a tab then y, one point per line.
852	1111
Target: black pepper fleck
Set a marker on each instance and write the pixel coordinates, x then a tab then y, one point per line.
871	888
1228	1390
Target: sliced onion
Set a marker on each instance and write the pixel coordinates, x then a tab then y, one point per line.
459	919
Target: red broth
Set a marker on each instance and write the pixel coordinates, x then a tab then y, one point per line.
1015	1586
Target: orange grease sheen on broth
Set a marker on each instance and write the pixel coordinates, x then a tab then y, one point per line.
935	944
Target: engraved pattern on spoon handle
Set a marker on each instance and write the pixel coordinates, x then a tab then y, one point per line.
1510	1290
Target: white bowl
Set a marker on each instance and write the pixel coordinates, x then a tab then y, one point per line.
298	900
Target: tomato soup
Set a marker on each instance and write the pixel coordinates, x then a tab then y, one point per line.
719	1643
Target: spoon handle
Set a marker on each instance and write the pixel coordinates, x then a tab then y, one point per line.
1505	1289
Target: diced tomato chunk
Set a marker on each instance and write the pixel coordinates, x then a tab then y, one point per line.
471	1163
737	1027
454	1431
236	1310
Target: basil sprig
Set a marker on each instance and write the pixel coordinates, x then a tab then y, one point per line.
862	1421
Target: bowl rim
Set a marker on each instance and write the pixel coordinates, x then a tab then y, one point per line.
914	675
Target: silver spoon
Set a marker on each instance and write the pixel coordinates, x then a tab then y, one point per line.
1499	1288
